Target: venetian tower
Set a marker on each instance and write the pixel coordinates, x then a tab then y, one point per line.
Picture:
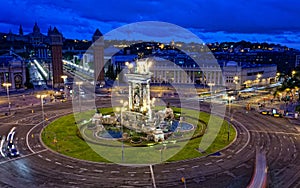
98	52
56	49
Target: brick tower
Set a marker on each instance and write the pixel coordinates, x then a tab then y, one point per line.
98	51
56	50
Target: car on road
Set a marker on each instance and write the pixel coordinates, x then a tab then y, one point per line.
265	112
63	100
13	152
277	115
10	144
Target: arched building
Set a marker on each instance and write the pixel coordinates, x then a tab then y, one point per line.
12	70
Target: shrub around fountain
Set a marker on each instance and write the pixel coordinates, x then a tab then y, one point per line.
136	140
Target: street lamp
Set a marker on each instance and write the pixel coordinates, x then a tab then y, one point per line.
210	86
79	84
7	92
117	78
258	76
42	104
122	109
231	118
278	76
163	147
64	77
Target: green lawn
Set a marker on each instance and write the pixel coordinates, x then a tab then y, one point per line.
62	135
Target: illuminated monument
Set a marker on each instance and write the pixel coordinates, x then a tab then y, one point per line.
137	113
140	116
139	88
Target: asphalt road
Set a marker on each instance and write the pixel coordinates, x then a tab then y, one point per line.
37	166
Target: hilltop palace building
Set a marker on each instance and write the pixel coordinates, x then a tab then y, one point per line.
230	74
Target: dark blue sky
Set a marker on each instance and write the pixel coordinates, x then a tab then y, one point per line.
275	21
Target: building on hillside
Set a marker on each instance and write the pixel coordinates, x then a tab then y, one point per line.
12	70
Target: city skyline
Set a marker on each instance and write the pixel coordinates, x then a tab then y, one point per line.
214	21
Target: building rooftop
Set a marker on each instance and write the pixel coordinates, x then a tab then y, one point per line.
225	63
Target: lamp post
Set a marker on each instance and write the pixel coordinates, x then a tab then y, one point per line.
64	77
258	76
231	118
122	139
236	81
163	147
293	73
117	78
42	104
7	85
79	84
210	87
278	76
122	109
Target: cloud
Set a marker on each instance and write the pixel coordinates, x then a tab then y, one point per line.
227	19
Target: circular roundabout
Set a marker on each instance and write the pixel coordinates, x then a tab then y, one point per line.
111	142
39	166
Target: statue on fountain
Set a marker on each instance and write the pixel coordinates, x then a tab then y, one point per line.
169	115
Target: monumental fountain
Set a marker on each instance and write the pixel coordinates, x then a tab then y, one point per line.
138	114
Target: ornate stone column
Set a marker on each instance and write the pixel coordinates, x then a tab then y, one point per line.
130	95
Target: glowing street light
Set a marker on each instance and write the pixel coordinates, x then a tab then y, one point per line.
258	76
42	104
293	73
64	77
236	81
210	87
7	92
117	78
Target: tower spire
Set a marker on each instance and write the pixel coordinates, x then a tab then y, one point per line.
21	30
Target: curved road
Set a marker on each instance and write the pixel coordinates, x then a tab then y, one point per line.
39	167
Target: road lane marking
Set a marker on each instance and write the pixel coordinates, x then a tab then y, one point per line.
275	132
58	163
195	166
152	175
1	146
114	172
71	182
27	136
69	166
48	159
98	170
131	172
24	156
180	169
206	164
